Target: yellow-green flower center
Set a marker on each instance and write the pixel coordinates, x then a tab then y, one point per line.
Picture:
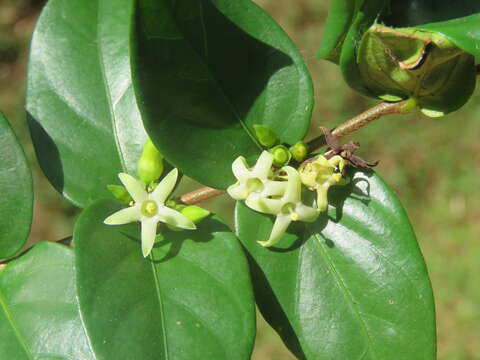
149	208
254	185
289	208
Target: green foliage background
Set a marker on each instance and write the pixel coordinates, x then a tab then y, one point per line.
434	165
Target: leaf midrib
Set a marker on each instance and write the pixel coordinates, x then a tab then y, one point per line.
220	88
13	324
160	304
346	293
108	91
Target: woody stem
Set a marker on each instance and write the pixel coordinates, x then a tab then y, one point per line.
348	127
358	122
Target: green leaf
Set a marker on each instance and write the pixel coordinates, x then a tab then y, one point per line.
16	206
191	299
340	16
83	115
367	14
352	285
206	72
407	13
463	32
39	316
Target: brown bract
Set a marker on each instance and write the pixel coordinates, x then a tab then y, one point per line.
346	151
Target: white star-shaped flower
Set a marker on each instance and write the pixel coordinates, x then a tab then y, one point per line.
255	180
149	209
288	208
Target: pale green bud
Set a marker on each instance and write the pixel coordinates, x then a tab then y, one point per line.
299	151
120	193
193	212
281	155
150	165
265	135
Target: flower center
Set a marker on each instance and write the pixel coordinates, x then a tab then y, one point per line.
289	208
149	208
254	185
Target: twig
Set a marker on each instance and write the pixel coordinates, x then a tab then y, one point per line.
358	122
199	195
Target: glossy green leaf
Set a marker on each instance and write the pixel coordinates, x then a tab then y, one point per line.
16	205
191	299
368	12
352	285
463	32
407	13
83	116
39	317
340	16
206	72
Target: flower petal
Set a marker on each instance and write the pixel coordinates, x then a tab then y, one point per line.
124	216
274	188
306	213
322	199
165	187
149	232
174	218
263	166
264	205
240	168
279	228
238	191
135	188
293	191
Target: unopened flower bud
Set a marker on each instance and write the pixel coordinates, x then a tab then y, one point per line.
150	165
299	151
120	193
281	155
265	135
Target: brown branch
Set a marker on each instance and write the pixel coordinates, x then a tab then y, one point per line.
199	195
359	121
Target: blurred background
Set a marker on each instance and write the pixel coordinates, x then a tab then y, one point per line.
433	164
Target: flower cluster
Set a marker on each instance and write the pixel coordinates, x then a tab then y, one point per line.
283	198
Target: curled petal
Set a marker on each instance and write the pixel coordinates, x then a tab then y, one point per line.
124	216
240	168
149	232
293	191
274	188
306	213
135	188
165	187
279	228
238	191
322	199
263	166
174	218
264	205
